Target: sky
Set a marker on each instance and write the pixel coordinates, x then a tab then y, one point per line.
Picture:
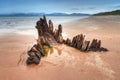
63	6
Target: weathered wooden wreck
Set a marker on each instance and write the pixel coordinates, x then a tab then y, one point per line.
47	36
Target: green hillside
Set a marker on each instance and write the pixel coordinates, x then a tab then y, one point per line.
116	12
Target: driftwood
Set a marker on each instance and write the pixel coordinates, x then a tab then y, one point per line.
35	54
80	43
85	46
48	36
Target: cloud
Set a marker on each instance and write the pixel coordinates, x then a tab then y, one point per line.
118	6
92	8
75	9
83	8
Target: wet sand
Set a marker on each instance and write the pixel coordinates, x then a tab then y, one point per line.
65	63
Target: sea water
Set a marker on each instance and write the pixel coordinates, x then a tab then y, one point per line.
26	25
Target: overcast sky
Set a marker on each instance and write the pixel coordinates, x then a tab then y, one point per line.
64	6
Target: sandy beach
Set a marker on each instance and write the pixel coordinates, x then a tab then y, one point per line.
65	63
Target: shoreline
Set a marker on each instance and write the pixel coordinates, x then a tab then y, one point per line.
65	62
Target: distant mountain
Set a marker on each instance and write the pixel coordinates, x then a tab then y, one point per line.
116	12
65	14
79	14
41	14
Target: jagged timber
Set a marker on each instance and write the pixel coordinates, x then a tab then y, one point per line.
50	37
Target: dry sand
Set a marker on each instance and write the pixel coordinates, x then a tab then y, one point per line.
66	63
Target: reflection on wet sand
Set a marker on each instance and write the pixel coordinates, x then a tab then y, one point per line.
49	51
59	48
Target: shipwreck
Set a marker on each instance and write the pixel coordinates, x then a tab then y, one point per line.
48	37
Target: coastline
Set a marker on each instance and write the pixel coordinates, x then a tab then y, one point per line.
70	63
